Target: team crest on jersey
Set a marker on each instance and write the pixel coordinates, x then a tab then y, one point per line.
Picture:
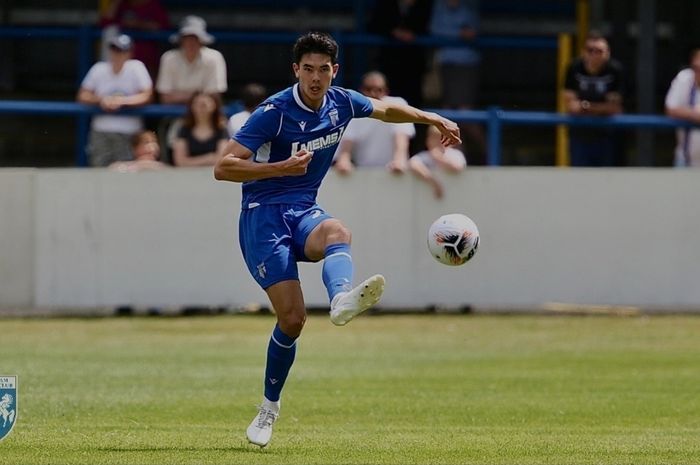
333	114
8	404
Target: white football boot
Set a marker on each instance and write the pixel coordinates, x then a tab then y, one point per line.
347	305
260	430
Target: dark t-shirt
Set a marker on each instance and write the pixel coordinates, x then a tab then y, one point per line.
200	147
591	87
594	88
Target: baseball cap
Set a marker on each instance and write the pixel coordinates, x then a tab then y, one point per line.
121	42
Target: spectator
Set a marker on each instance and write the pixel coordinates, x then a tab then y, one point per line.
140	15
203	135
121	82
192	67
436	157
458	67
594	86
252	96
146	150
682	102
370	142
404	65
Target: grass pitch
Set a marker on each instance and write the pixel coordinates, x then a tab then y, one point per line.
382	390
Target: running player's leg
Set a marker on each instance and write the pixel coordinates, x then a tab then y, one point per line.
287	300
267	248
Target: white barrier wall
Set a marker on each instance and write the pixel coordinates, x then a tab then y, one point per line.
90	238
17	237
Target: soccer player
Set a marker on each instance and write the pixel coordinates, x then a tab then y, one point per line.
281	155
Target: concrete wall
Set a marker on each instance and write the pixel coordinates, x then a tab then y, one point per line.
17	237
88	238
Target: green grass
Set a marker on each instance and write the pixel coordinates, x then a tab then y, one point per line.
382	390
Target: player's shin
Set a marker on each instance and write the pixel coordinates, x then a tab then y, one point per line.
337	269
280	357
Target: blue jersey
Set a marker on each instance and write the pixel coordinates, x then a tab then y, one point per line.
281	126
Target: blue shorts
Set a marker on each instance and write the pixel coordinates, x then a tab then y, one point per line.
272	239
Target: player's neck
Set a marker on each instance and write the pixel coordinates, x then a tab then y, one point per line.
315	105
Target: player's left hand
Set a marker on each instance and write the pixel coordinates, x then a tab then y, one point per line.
450	132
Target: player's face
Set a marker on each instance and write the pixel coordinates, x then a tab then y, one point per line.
315	71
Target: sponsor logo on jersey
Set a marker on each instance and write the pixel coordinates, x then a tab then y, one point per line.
319	143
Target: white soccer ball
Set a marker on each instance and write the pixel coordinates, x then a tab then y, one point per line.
453	239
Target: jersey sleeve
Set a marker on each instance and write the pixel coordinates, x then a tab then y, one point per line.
263	125
361	105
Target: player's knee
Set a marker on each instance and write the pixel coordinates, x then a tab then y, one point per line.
337	233
291	324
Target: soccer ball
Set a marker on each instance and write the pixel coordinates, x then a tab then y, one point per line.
453	239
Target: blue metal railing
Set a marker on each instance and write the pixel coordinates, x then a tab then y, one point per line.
494	119
88	34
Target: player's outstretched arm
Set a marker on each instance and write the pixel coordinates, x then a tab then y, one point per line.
392	112
237	165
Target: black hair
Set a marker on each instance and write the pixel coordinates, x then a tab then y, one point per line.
315	42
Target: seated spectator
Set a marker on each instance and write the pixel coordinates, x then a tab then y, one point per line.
436	157
203	135
370	142
146	150
192	67
141	15
594	86
252	96
121	82
682	101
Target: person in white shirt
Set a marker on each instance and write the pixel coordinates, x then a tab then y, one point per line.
115	84
683	102
437	157
192	67
370	142
252	95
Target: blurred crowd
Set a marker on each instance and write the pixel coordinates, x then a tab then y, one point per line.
193	73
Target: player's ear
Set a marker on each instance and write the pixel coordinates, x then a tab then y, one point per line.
295	67
335	70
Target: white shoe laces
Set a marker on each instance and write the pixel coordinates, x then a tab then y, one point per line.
266	418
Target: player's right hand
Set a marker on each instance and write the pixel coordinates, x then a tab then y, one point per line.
297	164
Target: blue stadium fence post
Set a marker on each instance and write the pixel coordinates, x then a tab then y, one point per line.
83	119
82	122
495	136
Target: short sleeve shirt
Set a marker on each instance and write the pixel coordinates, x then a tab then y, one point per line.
283	125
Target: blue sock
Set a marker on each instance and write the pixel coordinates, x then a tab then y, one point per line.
337	269
280	356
